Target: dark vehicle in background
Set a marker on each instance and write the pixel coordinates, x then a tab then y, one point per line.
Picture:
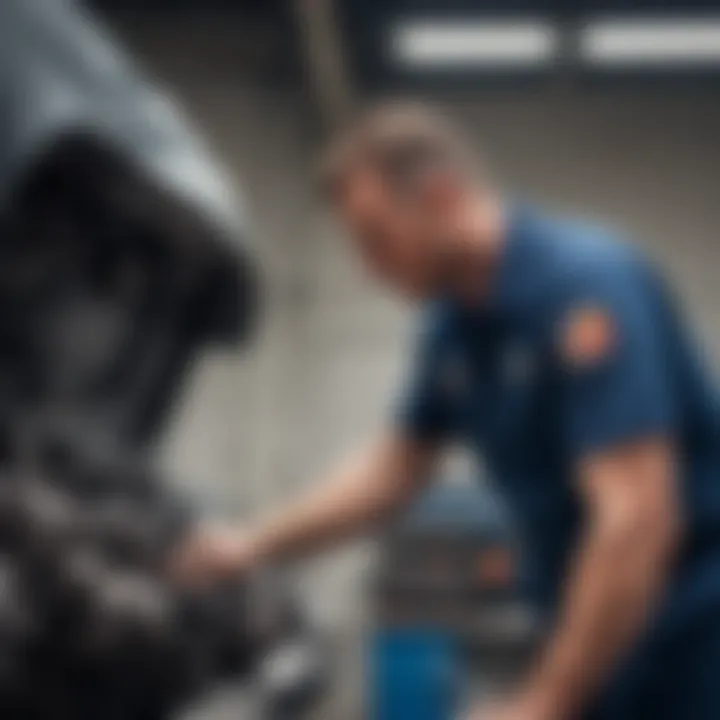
451	565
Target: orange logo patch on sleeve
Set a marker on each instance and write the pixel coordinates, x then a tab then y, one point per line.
588	336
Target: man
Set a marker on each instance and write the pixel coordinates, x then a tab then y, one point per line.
556	352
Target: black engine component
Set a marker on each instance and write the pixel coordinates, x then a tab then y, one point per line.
122	255
86	607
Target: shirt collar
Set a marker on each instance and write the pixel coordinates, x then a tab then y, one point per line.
516	272
517	268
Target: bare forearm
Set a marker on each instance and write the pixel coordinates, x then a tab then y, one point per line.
338	509
611	591
351	501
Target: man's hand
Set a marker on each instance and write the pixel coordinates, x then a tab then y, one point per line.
212	555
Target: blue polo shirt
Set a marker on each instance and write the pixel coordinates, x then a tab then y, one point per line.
578	348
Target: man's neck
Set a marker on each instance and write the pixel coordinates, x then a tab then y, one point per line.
478	249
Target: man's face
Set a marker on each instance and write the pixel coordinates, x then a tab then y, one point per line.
403	238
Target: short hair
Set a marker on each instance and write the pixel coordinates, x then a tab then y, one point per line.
402	141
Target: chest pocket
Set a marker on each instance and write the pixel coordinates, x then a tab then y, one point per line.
517	409
494	400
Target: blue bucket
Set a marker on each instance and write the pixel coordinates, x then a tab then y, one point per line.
414	675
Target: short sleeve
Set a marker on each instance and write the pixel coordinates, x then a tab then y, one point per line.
423	410
615	380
